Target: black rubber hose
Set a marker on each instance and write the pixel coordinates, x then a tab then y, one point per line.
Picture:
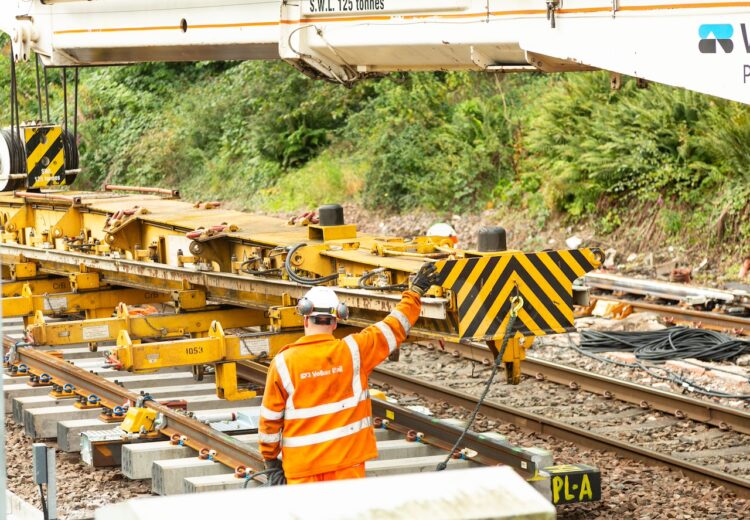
369	274
301	279
45	513
257	272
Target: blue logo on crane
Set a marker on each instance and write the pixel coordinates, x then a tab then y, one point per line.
711	33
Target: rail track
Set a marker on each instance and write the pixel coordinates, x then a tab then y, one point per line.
231	452
647	398
641	432
181	467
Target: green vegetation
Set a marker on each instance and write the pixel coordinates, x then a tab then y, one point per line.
265	137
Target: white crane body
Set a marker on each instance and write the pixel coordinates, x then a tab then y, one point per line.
702	46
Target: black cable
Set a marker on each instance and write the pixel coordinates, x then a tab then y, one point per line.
65	98
672	343
369	274
10	95
38	87
75	108
480	402
672	377
14	88
45	513
301	279
257	272
274	477
46	92
13	97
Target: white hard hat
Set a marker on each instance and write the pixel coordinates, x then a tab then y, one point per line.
322	301
441	229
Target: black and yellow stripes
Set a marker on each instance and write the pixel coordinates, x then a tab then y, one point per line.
483	287
45	156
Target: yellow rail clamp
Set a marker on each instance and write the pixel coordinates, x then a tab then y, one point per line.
139	420
484	286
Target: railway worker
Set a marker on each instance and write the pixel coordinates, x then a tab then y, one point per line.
316	408
441	229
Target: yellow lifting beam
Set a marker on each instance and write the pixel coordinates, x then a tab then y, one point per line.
139	326
217	348
95	303
38	286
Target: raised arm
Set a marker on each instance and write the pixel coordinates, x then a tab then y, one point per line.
378	341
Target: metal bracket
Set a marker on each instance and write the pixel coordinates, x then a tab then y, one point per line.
552	6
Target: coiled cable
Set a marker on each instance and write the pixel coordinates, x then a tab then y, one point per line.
12	160
672	343
668	375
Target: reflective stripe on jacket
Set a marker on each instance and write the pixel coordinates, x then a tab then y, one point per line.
316	408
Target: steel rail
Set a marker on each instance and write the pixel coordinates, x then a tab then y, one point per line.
660	289
230	451
228	288
143	189
558	429
681	406
490	451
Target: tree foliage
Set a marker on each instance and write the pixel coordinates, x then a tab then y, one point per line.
263	135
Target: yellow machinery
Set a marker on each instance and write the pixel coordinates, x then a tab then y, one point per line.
213	269
36	155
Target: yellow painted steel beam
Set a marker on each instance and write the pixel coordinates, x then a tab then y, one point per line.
216	348
139	326
65	303
53	285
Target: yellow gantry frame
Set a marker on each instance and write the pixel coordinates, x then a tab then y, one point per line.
203	251
148	326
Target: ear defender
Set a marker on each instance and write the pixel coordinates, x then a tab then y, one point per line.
305	307
342	311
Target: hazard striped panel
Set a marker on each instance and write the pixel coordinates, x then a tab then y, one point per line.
483	287
45	156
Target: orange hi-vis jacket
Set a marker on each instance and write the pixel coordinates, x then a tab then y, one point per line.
316	408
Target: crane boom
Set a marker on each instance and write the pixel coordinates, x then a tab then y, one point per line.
698	45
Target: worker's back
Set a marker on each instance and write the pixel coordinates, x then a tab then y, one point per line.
328	412
316	406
